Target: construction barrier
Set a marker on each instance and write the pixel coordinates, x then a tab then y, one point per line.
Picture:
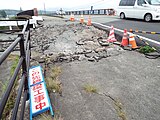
144	32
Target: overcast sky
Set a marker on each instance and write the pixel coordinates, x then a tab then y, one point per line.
57	4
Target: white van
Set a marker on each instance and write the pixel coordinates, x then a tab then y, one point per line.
140	9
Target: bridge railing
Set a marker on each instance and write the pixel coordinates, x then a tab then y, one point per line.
23	40
92	12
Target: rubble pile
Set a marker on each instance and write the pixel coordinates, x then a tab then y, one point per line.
68	41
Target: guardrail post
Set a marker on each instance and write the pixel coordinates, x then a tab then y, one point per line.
104	11
98	12
24	67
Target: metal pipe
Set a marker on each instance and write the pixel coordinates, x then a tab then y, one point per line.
24	65
16	105
25	27
9	50
27	38
9	87
27	49
28	60
23	104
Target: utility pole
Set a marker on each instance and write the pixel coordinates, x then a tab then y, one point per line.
44	9
91	12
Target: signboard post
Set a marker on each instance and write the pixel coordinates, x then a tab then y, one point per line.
39	99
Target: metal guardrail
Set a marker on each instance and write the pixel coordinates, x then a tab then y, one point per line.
93	12
14	20
24	63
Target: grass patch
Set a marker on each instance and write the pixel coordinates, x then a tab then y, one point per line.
146	49
3	86
11	99
90	88
47	116
13	18
53	83
4	28
119	109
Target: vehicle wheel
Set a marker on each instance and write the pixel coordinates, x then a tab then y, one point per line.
122	16
148	17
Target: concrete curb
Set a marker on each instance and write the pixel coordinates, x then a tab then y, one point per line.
118	35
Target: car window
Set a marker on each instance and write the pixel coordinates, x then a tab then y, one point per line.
140	2
123	3
130	2
127	3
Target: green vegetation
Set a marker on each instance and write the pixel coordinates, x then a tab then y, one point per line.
3	86
53	83
11	100
3	14
90	88
119	109
4	27
146	49
47	116
12	18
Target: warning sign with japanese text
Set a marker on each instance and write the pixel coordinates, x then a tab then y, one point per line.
39	99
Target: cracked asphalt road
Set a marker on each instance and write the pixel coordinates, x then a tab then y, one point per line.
128	77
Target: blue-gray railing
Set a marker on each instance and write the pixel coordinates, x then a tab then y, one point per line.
23	65
93	12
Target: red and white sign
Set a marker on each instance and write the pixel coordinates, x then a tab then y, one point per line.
35	75
39	100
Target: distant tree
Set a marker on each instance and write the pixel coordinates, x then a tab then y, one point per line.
3	13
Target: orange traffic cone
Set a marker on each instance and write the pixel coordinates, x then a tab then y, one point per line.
81	19
72	17
89	21
132	41
111	37
124	39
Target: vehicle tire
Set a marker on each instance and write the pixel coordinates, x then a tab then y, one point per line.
122	16
148	17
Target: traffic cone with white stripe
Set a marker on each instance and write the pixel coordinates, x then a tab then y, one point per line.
111	37
81	19
124	39
132	41
89	23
